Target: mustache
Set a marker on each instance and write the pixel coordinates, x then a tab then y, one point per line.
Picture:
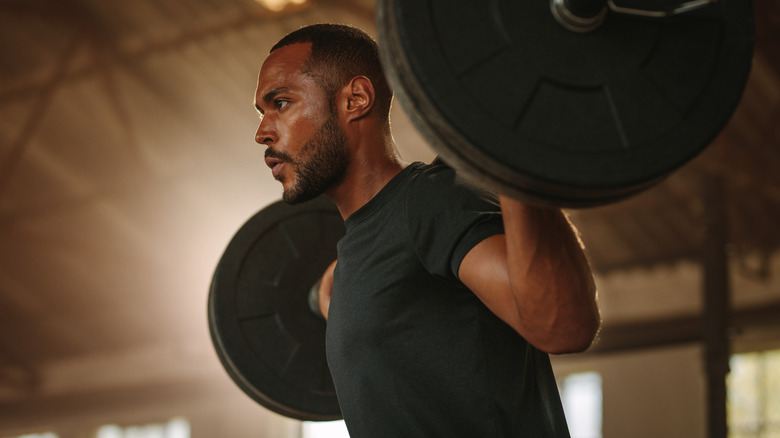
279	155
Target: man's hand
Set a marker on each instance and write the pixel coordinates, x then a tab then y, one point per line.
326	290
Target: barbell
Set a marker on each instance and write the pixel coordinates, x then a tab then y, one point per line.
511	97
266	336
572	103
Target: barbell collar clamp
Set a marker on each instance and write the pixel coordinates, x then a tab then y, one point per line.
683	7
581	17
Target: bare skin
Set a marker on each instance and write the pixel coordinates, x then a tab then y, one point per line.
325	290
535	277
293	107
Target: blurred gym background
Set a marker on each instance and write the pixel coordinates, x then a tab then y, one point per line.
127	162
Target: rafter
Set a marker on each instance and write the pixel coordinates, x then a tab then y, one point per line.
15	374
129	57
44	97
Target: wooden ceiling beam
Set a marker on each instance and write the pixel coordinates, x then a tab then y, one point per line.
129	57
767	24
45	94
756	184
45	9
15	374
646	262
18	378
670	331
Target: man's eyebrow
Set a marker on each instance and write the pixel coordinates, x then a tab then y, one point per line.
269	96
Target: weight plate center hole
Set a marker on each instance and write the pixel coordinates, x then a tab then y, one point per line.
615	49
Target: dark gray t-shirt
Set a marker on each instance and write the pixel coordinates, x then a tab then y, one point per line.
412	351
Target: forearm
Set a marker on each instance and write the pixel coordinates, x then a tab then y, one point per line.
550	278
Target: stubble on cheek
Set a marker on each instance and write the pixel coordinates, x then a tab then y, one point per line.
321	163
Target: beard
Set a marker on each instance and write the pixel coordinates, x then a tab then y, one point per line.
323	162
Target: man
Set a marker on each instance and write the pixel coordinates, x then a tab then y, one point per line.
445	301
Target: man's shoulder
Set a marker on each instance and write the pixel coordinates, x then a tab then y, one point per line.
437	178
435	166
435	172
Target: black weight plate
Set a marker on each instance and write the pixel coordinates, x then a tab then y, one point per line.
267	338
507	95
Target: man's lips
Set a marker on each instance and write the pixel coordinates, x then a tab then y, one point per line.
275	160
275	164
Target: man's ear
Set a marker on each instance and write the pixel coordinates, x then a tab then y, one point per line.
357	98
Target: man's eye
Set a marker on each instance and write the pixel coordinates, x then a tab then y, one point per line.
280	104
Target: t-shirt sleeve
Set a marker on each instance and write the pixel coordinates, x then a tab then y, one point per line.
447	217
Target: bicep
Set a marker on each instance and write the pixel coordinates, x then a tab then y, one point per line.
485	272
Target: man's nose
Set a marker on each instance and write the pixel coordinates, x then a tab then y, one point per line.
265	133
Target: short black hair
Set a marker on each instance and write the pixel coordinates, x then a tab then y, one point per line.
338	54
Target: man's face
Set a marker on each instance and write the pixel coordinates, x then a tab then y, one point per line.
307	150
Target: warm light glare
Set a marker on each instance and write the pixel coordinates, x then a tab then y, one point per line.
178	428
753	387
109	431
278	5
39	435
175	428
324	429
581	396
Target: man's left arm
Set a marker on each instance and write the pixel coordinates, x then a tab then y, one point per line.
536	278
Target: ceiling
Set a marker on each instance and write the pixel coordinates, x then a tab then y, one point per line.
127	162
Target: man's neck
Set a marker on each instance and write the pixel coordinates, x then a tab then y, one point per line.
370	169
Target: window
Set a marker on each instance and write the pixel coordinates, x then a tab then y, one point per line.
753	387
581	398
324	429
175	428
